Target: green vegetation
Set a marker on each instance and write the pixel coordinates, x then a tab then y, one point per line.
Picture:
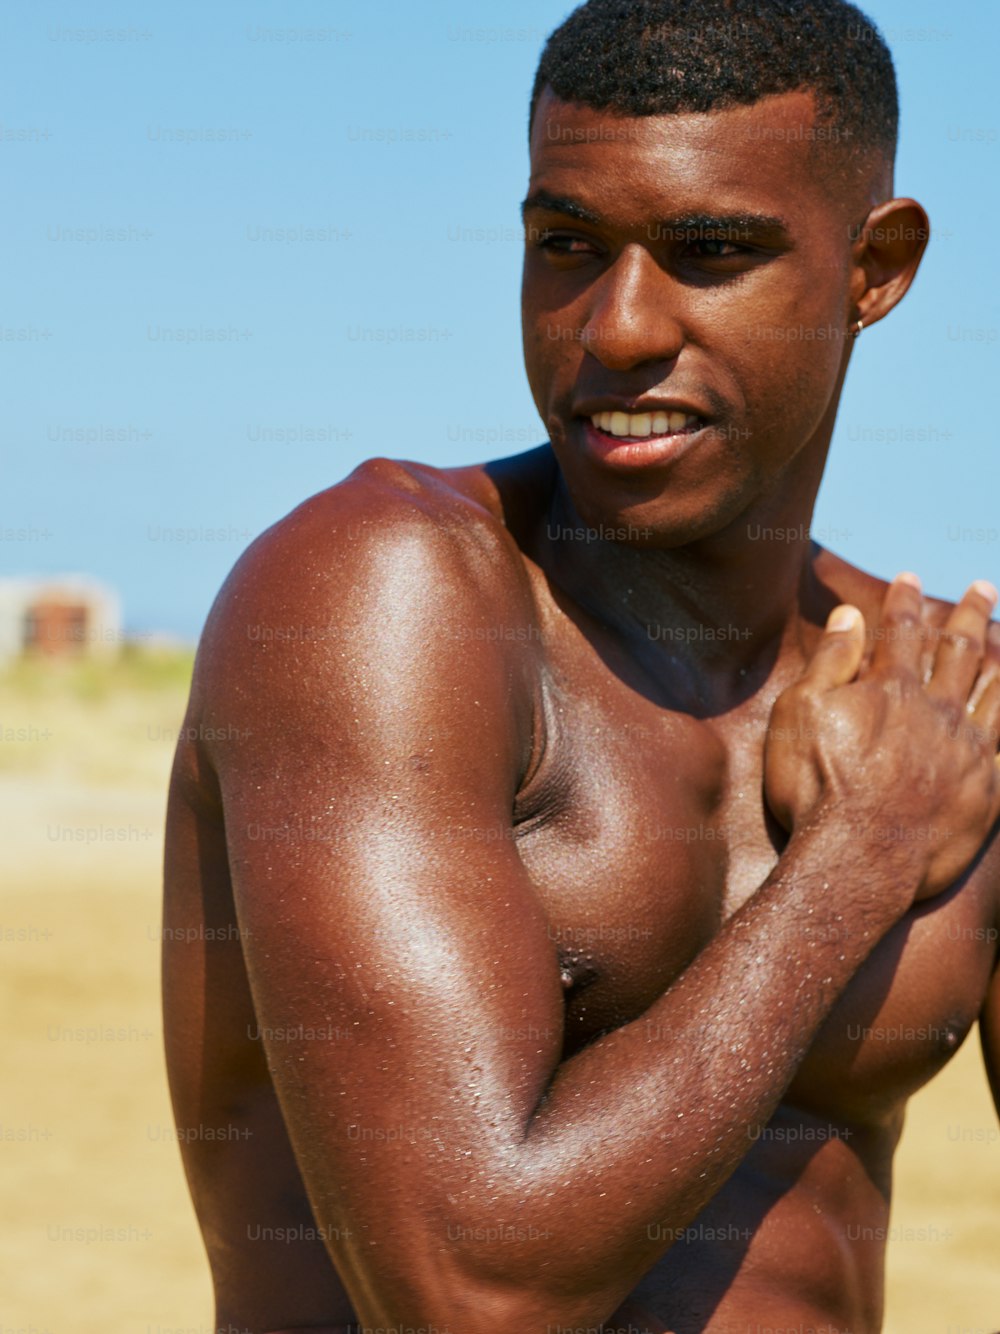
93	679
94	721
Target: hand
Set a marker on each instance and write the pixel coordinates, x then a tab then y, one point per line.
903	750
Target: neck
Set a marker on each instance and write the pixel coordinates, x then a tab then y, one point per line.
722	608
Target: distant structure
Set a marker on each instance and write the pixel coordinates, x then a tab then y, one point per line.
58	615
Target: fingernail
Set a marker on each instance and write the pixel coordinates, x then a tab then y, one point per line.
986	590
843	618
908	577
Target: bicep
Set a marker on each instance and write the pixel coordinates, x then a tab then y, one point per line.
417	937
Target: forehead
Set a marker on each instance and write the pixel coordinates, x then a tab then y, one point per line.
772	156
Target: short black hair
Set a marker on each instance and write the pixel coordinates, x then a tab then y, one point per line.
662	57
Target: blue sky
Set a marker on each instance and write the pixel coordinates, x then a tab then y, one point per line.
280	183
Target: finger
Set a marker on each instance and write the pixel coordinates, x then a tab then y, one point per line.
839	652
961	644
900	635
986	714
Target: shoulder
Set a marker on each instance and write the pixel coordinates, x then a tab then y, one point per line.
390	526
848	583
402	578
382	505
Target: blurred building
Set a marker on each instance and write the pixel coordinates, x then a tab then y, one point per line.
56	615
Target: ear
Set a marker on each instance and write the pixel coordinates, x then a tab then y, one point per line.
887	251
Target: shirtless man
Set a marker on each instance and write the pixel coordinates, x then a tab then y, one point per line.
561	903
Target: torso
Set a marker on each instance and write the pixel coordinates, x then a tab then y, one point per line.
637	863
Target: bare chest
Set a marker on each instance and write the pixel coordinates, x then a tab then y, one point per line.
645	829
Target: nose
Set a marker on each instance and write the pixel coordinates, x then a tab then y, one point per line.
633	313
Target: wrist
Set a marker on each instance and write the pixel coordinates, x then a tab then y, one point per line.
875	859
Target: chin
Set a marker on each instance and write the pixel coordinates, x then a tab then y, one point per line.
662	522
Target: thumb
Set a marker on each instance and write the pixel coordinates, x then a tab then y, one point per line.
839	653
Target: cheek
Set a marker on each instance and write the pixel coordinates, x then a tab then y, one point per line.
789	397
535	354
801	300
552	353
786	353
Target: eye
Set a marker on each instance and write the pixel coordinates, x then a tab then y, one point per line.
713	247
561	243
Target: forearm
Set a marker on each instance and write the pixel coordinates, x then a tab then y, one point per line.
639	1130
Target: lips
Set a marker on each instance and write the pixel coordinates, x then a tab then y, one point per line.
628	453
627	432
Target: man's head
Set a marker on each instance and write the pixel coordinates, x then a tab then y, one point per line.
709	215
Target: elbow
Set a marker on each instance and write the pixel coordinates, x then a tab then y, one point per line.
516	1299
487	1280
513	1310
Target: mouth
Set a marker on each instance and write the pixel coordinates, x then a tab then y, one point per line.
631	440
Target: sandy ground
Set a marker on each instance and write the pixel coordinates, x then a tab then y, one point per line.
97	1235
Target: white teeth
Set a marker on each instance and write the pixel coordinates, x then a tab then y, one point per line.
641	424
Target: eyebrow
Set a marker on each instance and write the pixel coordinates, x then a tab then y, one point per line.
743	225
558	204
